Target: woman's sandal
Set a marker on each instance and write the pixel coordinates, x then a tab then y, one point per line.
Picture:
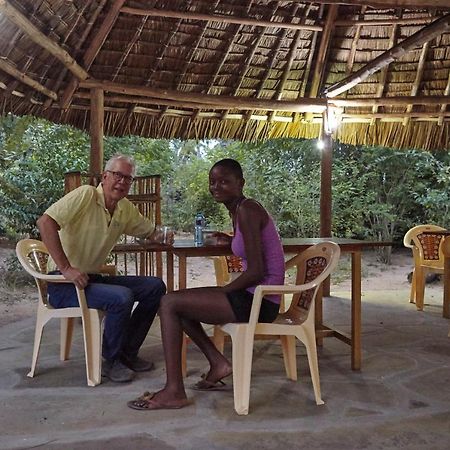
147	402
206	385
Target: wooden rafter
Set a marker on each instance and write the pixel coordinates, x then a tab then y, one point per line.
390	101
79	43
93	49
390	3
130	45
235	30
320	62
424	35
354	46
218	18
41	39
24	78
188	60
384	71
418	78
250	54
447	93
386	22
299	105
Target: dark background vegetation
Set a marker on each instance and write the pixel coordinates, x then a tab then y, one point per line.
377	192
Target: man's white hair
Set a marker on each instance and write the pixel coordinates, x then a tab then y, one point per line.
119	157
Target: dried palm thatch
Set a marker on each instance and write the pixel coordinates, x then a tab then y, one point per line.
240	69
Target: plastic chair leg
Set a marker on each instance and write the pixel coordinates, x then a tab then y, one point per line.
412	295
420	288
242	354
309	340
40	323
67	324
289	356
92	347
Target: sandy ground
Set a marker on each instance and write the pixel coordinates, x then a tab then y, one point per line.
18	299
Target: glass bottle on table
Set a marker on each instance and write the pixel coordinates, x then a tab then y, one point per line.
199	225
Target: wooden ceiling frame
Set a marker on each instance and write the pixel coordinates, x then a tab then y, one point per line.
389	3
426	34
18	19
24	78
93	49
217	101
241	21
384	70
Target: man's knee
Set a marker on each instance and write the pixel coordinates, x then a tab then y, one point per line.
119	298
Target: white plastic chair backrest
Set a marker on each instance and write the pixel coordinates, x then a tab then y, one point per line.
429	246
313	265
33	256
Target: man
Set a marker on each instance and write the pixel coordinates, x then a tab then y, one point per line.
80	231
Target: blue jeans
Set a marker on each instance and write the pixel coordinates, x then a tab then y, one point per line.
125	330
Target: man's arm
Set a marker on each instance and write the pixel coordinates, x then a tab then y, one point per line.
49	228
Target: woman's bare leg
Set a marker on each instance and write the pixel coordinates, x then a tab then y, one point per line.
189	308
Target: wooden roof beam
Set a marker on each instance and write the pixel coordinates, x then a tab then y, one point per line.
384	22
418	79
218	18
322	52
447	93
424	35
22	77
390	3
41	39
93	49
80	42
298	105
384	71
389	101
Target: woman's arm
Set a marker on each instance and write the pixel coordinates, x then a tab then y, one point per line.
252	218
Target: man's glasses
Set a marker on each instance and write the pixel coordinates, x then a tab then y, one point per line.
119	176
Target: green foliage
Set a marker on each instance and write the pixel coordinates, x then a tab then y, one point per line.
377	192
34	155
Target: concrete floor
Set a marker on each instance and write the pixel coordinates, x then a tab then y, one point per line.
400	399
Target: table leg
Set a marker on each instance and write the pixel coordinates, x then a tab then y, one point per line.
170	273
182	272
446	306
356	311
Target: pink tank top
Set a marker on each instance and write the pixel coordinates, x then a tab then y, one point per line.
272	252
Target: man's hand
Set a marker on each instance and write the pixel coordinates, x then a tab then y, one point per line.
162	235
79	278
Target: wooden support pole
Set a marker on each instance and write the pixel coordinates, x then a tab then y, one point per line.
325	191
96	131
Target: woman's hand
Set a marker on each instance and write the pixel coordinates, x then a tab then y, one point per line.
221	238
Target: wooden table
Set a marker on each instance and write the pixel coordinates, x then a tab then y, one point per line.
184	249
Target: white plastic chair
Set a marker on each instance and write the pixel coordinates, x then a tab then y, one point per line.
428	257
313	266
33	256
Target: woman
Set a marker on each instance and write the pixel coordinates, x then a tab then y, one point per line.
258	243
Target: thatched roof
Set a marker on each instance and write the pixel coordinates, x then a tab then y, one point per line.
244	69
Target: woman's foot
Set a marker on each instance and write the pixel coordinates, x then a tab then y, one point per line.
212	381
158	400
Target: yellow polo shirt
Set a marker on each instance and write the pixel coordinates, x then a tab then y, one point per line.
88	232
